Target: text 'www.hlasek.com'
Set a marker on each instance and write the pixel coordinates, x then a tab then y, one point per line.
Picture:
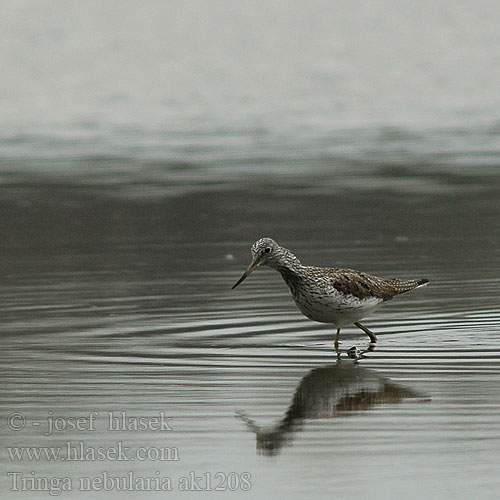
129	449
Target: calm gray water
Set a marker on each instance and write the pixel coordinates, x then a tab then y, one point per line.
145	146
183	82
125	306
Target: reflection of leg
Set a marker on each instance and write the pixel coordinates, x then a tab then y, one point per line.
370	334
336	343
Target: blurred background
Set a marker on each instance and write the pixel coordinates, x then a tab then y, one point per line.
145	145
176	94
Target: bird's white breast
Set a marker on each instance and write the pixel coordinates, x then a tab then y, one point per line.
332	306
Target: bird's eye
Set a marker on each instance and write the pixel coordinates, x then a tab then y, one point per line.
267	250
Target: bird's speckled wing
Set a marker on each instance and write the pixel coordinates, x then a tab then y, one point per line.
362	285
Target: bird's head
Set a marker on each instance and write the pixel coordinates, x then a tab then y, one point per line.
265	252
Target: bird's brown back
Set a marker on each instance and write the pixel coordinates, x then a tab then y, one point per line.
363	285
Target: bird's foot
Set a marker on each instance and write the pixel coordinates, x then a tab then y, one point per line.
355	353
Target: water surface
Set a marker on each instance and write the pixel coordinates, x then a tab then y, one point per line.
117	305
145	146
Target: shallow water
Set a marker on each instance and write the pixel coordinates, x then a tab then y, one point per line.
111	304
187	83
145	146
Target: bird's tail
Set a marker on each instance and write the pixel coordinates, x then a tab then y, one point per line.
402	286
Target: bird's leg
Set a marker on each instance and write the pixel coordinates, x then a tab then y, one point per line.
336	343
370	334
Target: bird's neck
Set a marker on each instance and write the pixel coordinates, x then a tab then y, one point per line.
290	269
286	262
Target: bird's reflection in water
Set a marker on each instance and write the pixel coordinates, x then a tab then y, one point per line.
331	391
